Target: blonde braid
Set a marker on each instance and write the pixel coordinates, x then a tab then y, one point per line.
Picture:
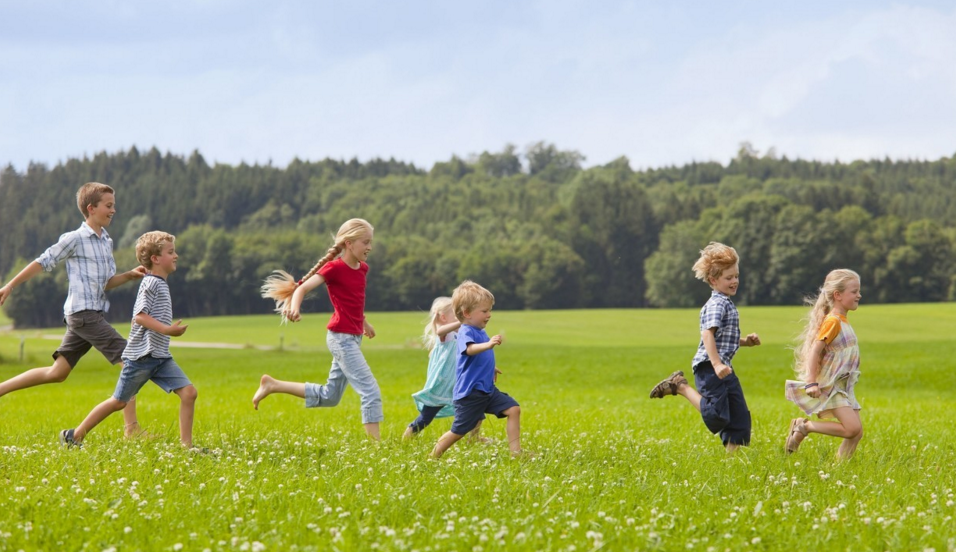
280	285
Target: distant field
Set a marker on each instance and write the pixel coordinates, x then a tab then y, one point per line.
614	469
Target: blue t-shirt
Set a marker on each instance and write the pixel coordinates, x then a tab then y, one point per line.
473	372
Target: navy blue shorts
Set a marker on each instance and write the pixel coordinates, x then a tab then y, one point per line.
472	409
722	405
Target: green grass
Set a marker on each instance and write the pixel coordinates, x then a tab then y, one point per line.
613	470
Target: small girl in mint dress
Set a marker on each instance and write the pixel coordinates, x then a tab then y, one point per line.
828	365
440	338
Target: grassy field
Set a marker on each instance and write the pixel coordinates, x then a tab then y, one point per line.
614	470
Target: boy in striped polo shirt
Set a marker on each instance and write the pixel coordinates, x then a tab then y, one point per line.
147	357
719	396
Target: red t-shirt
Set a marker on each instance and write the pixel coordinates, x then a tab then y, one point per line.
346	287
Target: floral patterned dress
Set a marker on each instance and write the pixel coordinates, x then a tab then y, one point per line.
839	371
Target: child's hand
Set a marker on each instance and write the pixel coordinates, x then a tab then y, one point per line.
722	370
752	340
177	329
369	331
495	340
292	315
814	391
4	293
497	371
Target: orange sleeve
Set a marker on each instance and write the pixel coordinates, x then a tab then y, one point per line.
829	330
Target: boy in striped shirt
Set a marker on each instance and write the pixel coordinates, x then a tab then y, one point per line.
147	357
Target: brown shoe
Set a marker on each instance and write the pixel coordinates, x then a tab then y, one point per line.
798	426
669	386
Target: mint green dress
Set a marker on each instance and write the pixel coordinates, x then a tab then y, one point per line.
440	381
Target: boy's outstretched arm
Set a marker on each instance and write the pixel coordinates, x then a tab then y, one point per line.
120	279
175	329
28	272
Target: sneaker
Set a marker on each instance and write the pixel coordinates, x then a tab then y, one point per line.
669	386
66	439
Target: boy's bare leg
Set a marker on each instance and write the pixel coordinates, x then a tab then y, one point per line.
269	385
444	443
690	394
372	430
38	376
187	409
130	423
731	448
475	435
99	413
513	429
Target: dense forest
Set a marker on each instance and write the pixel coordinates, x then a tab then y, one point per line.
533	226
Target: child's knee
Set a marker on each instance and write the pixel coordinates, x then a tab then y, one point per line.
513	412
188	394
117	404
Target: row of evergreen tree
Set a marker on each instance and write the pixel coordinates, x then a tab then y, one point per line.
533	226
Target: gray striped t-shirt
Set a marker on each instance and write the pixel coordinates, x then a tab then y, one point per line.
152	299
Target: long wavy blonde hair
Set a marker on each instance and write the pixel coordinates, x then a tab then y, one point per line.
280	285
439	305
820	307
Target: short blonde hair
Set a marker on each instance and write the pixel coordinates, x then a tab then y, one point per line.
714	259
90	194
152	243
468	296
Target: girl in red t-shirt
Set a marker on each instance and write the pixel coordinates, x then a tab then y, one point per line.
343	271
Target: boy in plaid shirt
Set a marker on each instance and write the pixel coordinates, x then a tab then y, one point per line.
720	398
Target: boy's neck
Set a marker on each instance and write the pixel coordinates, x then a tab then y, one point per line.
94	226
156	271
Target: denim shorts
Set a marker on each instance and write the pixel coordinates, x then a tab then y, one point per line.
472	409
164	372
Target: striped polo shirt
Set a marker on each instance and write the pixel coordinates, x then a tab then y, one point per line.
153	299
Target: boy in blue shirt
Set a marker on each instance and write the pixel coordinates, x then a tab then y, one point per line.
475	393
720	399
91	270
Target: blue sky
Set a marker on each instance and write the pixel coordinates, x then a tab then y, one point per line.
659	82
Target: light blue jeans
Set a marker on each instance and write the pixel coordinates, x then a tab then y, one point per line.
348	367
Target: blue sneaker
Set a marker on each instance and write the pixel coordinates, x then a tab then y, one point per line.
66	439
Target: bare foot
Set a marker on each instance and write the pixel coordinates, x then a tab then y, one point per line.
408	433
132	430
266	385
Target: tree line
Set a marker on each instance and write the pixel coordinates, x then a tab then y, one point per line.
533	226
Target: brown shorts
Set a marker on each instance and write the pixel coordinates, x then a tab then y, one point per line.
86	329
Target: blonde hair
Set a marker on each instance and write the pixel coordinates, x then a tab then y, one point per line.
821	306
151	243
281	285
468	296
714	259
90	194
439	306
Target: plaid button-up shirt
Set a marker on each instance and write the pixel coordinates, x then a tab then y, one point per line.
89	265
719	312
